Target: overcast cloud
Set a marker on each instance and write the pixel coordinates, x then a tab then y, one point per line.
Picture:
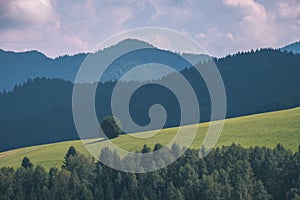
222	27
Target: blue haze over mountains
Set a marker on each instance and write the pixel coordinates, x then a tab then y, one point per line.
294	47
16	68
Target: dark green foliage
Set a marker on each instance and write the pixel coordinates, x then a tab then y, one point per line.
111	126
26	163
172	193
157	147
226	173
146	149
51	177
71	153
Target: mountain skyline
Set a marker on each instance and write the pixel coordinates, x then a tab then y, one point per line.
293	47
19	67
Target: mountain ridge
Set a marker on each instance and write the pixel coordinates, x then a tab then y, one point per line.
17	67
293	47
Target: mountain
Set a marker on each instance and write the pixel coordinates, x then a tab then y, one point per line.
294	47
40	110
17	68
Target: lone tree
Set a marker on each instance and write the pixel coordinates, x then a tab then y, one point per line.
26	163
111	126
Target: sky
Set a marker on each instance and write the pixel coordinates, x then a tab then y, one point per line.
222	27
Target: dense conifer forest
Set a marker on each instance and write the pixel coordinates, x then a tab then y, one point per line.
226	173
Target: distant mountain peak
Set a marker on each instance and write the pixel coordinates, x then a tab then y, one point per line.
128	43
34	53
134	41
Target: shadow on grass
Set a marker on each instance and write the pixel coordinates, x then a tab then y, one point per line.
97	141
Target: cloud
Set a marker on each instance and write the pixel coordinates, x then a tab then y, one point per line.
22	13
256	24
176	9
214	38
289	9
251	7
262	25
62	27
221	27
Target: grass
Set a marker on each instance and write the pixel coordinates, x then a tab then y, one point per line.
48	155
266	129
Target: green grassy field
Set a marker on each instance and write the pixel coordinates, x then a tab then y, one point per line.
266	129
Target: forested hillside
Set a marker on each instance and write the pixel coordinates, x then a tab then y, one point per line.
39	111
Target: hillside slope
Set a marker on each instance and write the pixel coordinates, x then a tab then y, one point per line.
255	82
266	129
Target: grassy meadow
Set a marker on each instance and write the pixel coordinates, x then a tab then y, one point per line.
267	129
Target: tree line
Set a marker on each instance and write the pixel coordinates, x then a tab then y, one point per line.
255	82
230	172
